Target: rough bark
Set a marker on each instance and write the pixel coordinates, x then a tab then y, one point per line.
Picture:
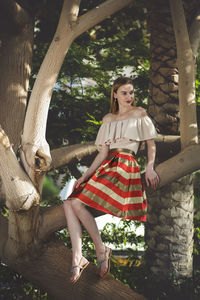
174	202
22	241
170	231
163	87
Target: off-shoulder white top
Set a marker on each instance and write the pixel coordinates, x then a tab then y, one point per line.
126	133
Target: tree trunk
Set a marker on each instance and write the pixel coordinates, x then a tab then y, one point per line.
15	62
169	233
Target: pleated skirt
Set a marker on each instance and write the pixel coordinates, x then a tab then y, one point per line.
116	187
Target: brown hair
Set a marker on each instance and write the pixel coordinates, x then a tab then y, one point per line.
116	84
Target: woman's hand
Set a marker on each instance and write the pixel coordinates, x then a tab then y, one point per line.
96	163
151	177
78	182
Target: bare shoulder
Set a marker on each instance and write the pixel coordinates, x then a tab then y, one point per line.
140	112
107	118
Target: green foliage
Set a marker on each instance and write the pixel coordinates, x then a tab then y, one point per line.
121	234
112	234
50	190
14	287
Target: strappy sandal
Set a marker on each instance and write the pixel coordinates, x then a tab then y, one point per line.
82	268
107	256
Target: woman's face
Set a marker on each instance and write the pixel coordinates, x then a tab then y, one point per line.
125	95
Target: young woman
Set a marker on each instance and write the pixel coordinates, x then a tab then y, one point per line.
113	182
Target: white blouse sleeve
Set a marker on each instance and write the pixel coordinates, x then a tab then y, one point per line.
134	129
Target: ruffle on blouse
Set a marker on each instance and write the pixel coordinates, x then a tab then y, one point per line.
134	129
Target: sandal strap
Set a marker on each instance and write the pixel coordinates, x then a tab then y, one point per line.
106	256
77	266
100	262
73	267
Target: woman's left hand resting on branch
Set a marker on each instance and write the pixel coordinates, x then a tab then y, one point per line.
151	176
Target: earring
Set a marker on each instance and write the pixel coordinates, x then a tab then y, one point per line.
115	99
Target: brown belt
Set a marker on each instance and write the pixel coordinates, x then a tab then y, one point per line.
122	150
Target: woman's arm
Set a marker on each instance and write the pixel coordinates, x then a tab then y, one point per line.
151	176
95	164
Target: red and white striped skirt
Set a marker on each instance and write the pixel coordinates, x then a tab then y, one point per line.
116	187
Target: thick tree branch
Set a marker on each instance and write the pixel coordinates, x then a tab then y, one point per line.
98	14
186	67
184	163
194	34
74	171
19	190
53	219
77	152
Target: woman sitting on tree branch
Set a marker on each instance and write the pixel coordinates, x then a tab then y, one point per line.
113	183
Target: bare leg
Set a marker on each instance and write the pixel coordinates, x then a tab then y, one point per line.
90	225
75	232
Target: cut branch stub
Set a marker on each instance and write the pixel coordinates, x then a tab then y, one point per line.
36	161
19	190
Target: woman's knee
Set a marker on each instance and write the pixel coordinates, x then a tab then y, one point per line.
76	204
67	203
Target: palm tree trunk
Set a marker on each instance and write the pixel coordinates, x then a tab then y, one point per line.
169	233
